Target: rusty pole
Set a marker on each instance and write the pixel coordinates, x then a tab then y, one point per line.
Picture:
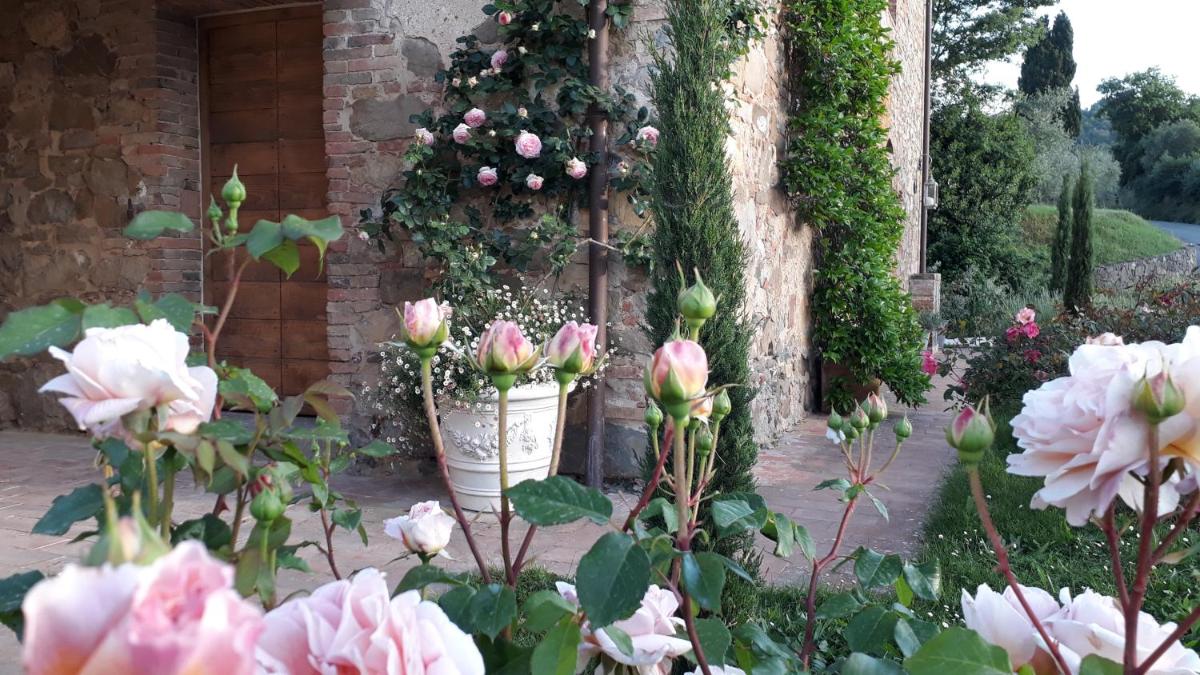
598	232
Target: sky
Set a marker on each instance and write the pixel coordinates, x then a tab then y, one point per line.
1116	37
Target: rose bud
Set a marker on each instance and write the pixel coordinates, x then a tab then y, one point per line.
534	181
1157	397
876	408
859	419
461	133
836	421
653	416
214	212
704	440
676	374
425	326
424	531
234	193
504	18
971	433
702	410
505	352
903	429
722	406
696	304
572	350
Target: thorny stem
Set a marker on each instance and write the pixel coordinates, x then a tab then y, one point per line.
435	433
505	514
683	540
327	528
238	512
1180	631
1006	570
560	426
1145	562
818	566
1109	526
655	478
151	481
224	314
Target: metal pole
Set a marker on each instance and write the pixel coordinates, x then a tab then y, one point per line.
926	169
598	231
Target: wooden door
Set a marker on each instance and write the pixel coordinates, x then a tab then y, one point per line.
261	104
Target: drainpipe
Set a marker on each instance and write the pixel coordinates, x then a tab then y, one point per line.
926	169
598	233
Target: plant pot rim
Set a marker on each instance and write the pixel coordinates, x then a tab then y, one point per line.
522	392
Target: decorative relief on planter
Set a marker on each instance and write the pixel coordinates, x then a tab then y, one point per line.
483	443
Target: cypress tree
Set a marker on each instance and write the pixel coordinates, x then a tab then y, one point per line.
1049	65
1078	287
1060	250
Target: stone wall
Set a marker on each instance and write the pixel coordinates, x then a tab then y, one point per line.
1181	263
905	120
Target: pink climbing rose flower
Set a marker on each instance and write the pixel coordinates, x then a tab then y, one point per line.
499	58
534	181
1000	619
487	176
474	118
573	348
648	135
1026	315
528	145
503	349
504	18
576	168
461	133
424	136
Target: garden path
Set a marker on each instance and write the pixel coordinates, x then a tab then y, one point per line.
36	467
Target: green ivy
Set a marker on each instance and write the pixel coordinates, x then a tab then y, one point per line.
839	175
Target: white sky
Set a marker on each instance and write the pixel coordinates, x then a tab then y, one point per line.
1117	37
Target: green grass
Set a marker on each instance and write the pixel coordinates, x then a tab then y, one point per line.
1119	236
1045	551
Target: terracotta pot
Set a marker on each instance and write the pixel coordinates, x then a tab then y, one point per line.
832	372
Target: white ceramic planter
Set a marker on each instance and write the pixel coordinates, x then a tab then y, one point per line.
472	443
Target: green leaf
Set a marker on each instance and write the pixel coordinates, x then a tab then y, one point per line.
612	578
12	593
839	605
243	386
30	331
456	603
151	224
871	630
959	651
904	593
319	232
1094	664
234	459
348	518
545	608
286	559
876	569
664	509
924	579
423	575
209	529
906	638
265	236
736	515
839	484
66	510
285	256
106	316
377	448
492	609
227	430
880	507
176	309
704	579
558	651
115	450
620	638
557	500
861	664
714	640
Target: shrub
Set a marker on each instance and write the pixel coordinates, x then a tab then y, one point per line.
976	305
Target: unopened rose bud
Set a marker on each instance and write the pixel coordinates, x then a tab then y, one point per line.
1158	398
214	212
653	416
722	406
677	374
505	352
859	419
266	506
876	408
704	440
425	326
573	348
836	421
234	193
903	429
697	304
971	433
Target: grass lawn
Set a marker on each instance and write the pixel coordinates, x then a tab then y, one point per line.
1045	551
1119	235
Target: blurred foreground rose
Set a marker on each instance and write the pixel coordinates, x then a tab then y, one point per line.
1000	619
353	627
425	530
651	629
115	371
178	615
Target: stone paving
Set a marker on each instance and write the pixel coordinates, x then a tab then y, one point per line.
34	468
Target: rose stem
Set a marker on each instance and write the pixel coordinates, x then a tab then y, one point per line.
1180	630
1006	570
684	539
655	477
168	503
563	390
151	481
1137	594
504	505
435	432
1109	526
810	602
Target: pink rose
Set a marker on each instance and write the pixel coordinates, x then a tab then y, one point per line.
474	118
929	362
424	136
461	134
534	181
425	530
1013	333
677	372
648	135
651	630
1033	355
352	626
504	349
425	322
115	371
1031	330
1026	315
179	615
573	348
576	168
499	58
487	176
504	18
1000	619
528	145
1106	340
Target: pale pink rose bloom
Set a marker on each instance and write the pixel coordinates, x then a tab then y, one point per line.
719	670
179	615
115	371
1106	340
1081	434
461	133
528	145
534	181
652	629
426	529
353	627
576	168
504	18
571	338
424	136
687	360
503	348
1091	623
487	176
474	118
648	135
423	320
929	362
1000	620
499	58
704	407
1026	315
